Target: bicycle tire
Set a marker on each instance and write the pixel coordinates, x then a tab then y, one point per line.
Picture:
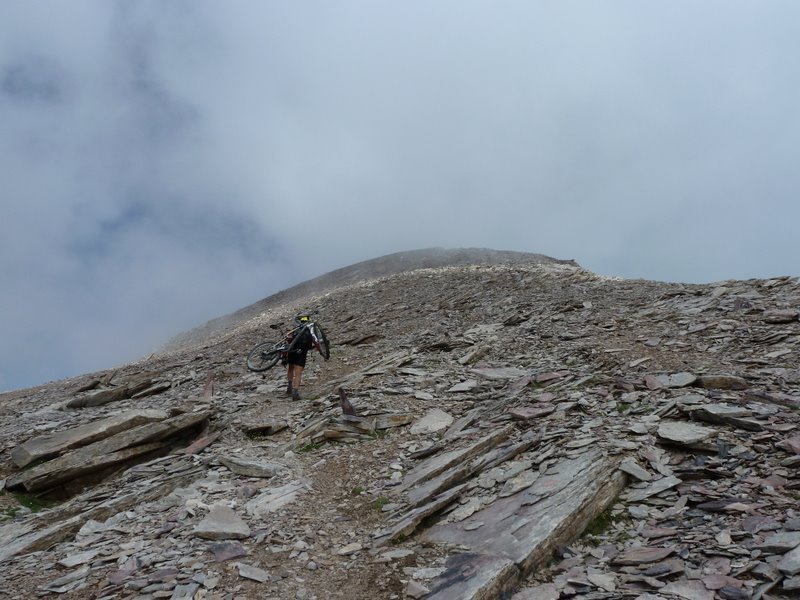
264	356
323	347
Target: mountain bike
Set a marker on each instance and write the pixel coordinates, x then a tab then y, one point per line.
266	355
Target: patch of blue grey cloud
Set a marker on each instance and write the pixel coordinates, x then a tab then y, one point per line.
167	163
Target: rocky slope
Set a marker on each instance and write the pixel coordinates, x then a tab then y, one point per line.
524	428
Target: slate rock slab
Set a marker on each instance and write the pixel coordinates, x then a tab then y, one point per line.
653	489
51	444
251	467
464	386
780	543
222	523
687	434
725	414
273	499
499	374
688	589
434	420
675	380
252	572
472	576
227	550
790	562
632	468
525	527
791	444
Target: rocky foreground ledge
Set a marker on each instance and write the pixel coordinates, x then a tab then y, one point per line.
521	431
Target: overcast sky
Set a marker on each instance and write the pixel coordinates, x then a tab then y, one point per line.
165	163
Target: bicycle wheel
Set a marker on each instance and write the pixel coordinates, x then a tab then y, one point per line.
322	342
264	356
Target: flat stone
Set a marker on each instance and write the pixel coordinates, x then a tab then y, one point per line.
222	523
725	414
501	373
525	527
73	560
185	591
434	420
439	464
688	589
459	472
416	590
779	543
251	467
791	584
675	380
118	448
45	446
717	581
251	572
67	582
550	376
466	510
580	442
474	576
464	386
607	582
632	468
791	444
656	487
756	523
227	550
349	549
518	483
687	434
274	499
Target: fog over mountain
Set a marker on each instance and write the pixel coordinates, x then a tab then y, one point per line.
166	164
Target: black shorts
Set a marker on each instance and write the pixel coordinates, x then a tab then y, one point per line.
298	358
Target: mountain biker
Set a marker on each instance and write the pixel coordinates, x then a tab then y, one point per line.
296	359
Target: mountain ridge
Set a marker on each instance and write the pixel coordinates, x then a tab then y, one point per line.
382	266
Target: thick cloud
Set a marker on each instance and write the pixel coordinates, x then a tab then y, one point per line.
167	163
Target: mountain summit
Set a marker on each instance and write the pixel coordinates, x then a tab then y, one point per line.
383	266
489	425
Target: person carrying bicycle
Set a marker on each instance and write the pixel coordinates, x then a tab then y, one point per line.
296	359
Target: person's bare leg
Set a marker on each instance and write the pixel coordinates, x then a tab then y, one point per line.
297	376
